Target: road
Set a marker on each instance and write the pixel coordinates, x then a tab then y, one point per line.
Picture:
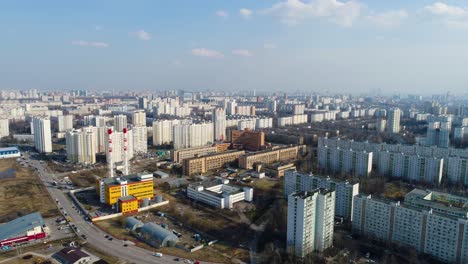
95	236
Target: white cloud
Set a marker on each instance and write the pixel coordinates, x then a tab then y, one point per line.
245	13
222	13
96	44
293	12
269	45
143	35
203	52
389	19
242	52
440	8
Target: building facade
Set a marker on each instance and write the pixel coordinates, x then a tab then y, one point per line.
42	134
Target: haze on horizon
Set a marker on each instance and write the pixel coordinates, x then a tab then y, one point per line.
273	45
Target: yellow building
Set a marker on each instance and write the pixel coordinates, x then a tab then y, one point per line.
111	189
128	205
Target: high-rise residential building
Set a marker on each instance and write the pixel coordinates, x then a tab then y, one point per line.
65	122
345	161
381	125
81	145
438	134
430	222
162	131
345	191
414	168
100	121
120	122
271	105
219	124
231	107
140	139
42	134
393	120
4	128
310	221
192	135
139	118
142	103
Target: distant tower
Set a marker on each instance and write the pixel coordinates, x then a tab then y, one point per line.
393	120
219	123
125	147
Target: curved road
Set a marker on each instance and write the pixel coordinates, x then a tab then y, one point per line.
95	236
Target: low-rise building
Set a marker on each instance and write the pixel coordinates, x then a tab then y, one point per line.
127	205
71	255
219	194
199	165
180	155
23	229
9	152
247	161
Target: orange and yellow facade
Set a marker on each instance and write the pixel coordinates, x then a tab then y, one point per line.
139	186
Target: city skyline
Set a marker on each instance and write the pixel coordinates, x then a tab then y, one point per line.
317	45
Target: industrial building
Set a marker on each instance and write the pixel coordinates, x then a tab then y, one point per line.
24	229
180	155
219	193
111	189
157	236
9	152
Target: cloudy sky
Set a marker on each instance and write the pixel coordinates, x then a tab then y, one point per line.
268	45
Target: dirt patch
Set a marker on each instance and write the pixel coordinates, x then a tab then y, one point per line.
24	194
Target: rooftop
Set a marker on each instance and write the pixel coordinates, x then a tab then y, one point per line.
20	225
129	178
9	149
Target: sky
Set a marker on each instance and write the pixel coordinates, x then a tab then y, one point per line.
358	46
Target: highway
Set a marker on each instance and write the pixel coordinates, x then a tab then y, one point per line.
95	236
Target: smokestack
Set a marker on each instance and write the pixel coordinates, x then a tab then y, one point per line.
125	150
111	164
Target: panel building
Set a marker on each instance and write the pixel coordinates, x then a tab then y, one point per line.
4	128
219	124
42	134
310	222
344	161
65	122
247	161
344	191
393	120
192	135
81	146
430	222
199	165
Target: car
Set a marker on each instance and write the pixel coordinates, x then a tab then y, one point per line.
125	245
106	236
110	238
83	236
177	259
157	254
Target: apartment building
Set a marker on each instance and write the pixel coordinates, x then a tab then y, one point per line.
120	122
310	221
81	146
65	122
139	118
393	120
269	156
345	161
42	134
344	191
192	135
219	124
425	221
4	128
140	139
199	165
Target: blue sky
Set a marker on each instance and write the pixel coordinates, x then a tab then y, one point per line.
317	45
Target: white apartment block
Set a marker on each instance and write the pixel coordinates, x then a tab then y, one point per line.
410	167
192	135
310	222
453	159
140	139
345	161
163	130
393	121
4	128
219	123
42	134
81	146
292	120
344	190
139	118
443	236
219	194
65	122
120	122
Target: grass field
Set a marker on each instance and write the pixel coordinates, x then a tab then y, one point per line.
23	194
86	178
